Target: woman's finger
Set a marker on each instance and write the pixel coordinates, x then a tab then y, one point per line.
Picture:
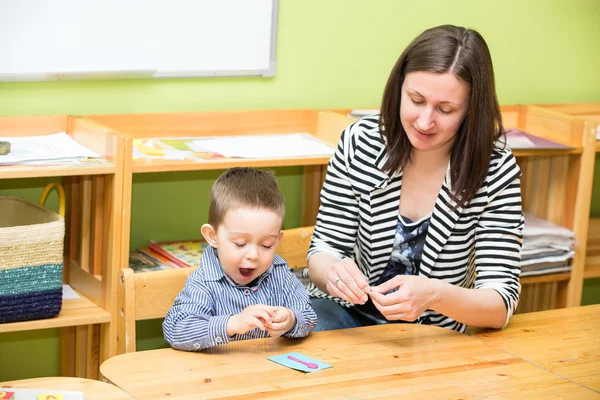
343	278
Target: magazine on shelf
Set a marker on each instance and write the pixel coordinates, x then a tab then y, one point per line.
145	260
519	140
185	253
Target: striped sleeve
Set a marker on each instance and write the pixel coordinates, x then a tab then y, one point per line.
337	219
498	235
297	300
191	324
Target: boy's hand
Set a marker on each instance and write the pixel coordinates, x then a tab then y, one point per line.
281	322
255	316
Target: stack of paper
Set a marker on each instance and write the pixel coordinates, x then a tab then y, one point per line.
547	247
358	113
264	146
58	148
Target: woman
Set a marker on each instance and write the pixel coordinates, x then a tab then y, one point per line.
420	217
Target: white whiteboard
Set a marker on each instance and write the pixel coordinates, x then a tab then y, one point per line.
44	40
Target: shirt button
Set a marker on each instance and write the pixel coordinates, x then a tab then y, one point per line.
219	340
247	292
197	345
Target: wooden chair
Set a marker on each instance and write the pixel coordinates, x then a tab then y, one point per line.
150	295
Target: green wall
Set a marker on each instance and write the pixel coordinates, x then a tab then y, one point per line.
330	54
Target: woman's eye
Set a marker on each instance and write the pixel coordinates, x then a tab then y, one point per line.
445	111
418	102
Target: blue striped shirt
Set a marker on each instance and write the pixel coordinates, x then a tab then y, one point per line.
198	318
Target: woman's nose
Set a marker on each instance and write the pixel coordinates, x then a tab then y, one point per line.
425	120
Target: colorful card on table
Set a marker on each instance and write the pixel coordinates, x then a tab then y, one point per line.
4	395
50	396
299	362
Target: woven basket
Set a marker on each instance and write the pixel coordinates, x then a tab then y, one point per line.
31	259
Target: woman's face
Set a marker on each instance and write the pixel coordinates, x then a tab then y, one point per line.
432	109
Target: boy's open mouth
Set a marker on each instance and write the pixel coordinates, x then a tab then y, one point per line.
246	272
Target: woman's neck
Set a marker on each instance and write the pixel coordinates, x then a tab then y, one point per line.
430	161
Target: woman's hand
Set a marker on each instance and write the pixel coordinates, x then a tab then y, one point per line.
344	280
413	295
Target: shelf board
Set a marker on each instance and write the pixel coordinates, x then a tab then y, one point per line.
546	152
592	267
529	280
40	171
75	312
147	165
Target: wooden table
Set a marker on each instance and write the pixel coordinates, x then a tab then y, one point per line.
378	361
564	341
94	390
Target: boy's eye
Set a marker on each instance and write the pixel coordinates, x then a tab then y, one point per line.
239	244
267	247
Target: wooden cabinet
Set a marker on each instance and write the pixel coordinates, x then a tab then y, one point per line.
93	195
556	185
591	113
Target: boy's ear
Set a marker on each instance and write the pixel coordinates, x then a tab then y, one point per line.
210	234
280	235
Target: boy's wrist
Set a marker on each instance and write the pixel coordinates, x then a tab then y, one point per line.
293	320
231	328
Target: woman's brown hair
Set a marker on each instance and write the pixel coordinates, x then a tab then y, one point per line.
464	53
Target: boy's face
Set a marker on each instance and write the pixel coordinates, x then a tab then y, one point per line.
246	242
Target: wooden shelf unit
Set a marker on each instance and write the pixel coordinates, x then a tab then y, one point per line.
556	185
93	198
591	113
324	125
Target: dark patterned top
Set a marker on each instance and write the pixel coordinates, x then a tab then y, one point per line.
405	259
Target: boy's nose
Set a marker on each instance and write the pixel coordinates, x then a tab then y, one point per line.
252	253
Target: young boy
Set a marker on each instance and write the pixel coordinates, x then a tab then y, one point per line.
242	289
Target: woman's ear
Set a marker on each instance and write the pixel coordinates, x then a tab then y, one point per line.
210	234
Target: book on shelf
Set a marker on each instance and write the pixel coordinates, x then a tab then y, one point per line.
144	260
519	140
185	253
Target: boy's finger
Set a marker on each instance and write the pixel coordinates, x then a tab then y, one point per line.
257	324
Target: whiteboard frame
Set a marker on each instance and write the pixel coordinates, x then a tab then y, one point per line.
153	74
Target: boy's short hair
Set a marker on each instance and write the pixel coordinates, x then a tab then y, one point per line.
244	187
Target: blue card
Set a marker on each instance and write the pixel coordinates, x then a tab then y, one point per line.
300	362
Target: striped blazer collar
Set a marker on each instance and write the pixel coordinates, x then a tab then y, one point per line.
444	217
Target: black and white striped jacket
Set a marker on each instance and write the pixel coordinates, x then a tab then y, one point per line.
475	246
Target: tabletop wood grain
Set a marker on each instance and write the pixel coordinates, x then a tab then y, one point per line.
392	360
564	341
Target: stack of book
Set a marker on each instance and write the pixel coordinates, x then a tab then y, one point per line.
547	248
167	255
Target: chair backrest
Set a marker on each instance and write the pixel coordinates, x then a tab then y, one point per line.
150	295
